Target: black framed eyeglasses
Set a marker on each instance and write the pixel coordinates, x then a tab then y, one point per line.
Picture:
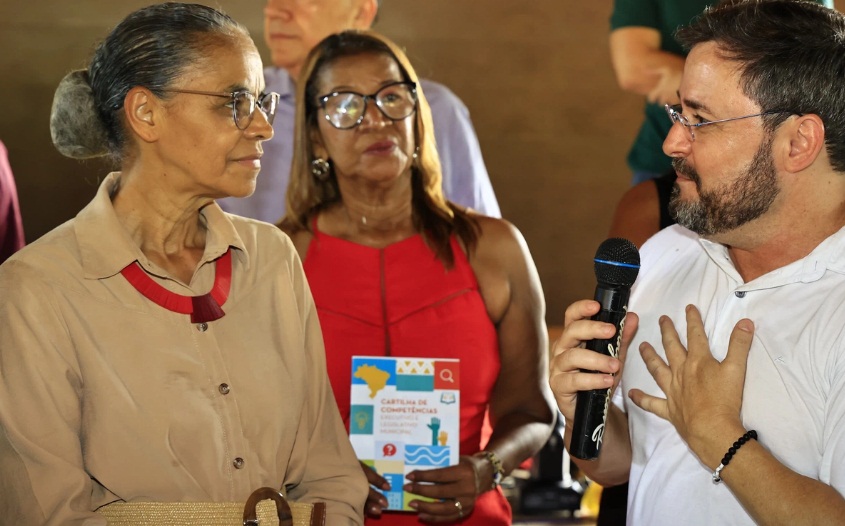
676	115
346	109
243	104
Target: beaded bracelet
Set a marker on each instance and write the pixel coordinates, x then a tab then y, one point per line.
738	444
498	468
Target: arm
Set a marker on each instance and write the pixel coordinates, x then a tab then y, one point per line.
43	478
770	492
465	178
521	403
642	68
570	360
331	471
774	494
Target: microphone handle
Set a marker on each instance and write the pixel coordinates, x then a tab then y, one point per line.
591	406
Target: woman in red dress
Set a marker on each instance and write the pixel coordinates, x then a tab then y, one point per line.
395	269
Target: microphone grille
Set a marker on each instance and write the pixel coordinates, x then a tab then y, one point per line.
617	262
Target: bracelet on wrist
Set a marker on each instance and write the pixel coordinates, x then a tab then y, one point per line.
717	475
498	467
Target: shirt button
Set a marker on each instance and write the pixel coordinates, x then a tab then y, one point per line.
740	294
238	463
202	327
224	389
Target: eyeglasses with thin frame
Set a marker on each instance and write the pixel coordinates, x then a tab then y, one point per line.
676	116
243	104
346	109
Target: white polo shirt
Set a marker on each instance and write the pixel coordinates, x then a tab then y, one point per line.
795	386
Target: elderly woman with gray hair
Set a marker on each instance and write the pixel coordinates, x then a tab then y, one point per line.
155	348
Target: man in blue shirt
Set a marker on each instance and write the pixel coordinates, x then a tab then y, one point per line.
291	29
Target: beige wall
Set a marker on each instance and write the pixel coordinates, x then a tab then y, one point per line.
536	76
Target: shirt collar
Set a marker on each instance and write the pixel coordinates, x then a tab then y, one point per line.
106	247
828	255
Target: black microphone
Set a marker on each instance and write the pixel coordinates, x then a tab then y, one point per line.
617	264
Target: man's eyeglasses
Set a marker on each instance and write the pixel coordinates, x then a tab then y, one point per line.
346	109
243	104
675	114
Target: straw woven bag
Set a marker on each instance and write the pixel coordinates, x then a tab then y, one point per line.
256	512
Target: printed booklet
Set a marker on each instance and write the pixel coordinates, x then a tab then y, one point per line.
405	416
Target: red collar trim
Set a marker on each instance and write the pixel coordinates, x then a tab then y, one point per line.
204	308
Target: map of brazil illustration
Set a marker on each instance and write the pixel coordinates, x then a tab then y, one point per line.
405	416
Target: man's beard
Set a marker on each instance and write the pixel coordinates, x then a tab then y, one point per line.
723	209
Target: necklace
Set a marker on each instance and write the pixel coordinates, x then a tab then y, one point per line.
202	309
386	222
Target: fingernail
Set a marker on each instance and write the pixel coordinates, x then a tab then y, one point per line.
413	504
410	476
406	487
745	325
386	486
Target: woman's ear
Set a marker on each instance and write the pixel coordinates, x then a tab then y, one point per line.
142	111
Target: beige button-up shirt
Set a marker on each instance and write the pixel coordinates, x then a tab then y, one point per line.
106	396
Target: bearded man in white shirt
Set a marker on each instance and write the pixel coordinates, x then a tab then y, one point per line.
738	413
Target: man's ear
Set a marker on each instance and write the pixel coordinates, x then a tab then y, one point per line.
142	110
806	140
366	14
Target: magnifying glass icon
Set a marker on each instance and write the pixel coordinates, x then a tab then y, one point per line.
446	376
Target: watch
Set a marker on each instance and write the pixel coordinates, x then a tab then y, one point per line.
498	468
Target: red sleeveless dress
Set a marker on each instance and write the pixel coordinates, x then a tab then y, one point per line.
401	300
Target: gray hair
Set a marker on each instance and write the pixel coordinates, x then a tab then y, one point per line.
150	48
75	127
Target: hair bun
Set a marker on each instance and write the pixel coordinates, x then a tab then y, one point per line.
75	125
